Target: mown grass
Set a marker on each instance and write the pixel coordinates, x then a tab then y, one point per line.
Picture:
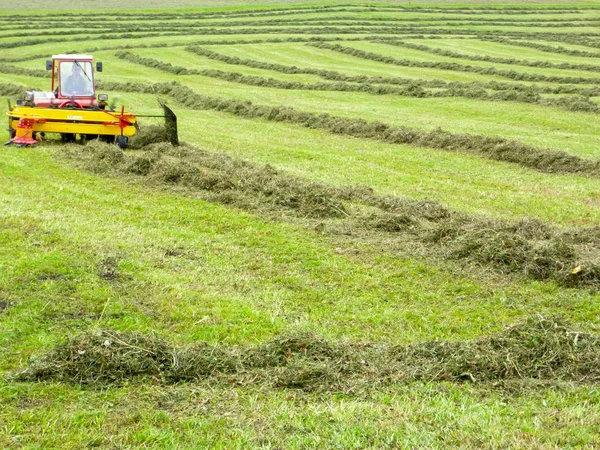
419	55
150	260
418	415
173	257
461	115
476	47
471	185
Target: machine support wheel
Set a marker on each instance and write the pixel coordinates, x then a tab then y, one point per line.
122	141
67	137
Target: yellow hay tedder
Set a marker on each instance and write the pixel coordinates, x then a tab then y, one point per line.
73	108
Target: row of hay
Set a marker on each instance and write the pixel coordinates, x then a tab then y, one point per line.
542	349
443	18
78	39
524	23
492	147
287	10
68	27
189	23
181	44
410	89
102	35
296	31
15	70
12	90
484	9
491	71
226	30
529	90
493	59
542	47
574	38
527	248
229	31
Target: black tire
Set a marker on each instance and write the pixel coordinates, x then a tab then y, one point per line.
122	141
67	137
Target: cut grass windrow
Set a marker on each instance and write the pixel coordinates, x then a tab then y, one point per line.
493	59
286	10
510	74
12	90
527	248
162	27
410	89
15	70
496	148
492	147
181	44
474	86
541	349
156	22
542	47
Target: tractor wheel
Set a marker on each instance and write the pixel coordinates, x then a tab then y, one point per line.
67	138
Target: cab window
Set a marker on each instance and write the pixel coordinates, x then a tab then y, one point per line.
76	78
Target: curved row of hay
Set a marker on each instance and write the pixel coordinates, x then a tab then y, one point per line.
493	59
510	74
527	248
492	147
411	87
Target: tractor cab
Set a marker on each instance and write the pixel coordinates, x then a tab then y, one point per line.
73	83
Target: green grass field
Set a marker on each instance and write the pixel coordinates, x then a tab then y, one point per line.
382	229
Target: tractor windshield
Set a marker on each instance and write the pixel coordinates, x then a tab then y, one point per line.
76	78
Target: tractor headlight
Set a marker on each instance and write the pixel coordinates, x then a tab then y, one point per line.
102	97
28	96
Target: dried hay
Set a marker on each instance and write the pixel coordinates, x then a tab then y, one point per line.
528	247
538	348
147	135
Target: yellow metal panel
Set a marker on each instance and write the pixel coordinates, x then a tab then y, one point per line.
79	115
79	128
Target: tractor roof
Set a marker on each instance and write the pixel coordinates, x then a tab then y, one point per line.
73	57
